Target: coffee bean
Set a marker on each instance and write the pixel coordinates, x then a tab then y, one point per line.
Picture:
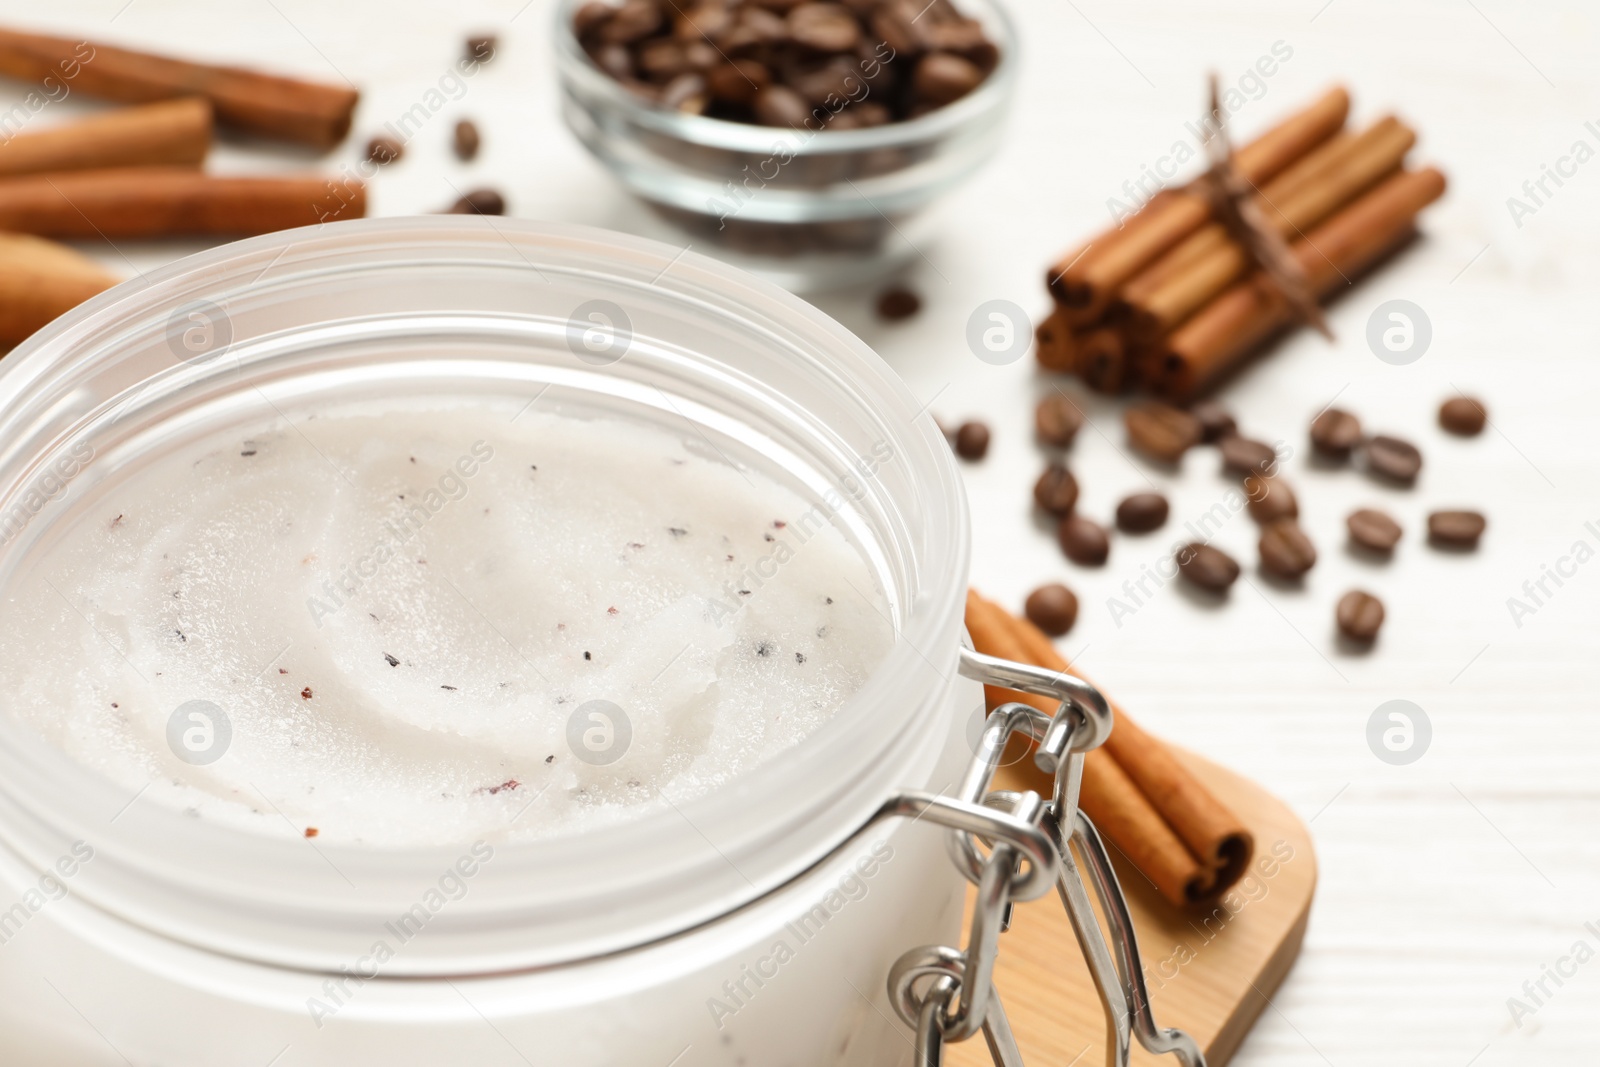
1083	541
1209	568
1243	455
1335	433
661	59
1463	416
615	60
702	22
1052	608
384	150
941	78
738	82
1359	615
1161	431
1456	529
482	47
972	440
1142	512
1285	549
826	51
686	93
1394	459
589	17
779	105
1056	491
1373	530
1057	420
1269	499
1215	422
897	302
467	140
479	202
824	27
632	21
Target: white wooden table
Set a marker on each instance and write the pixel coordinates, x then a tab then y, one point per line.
1446	884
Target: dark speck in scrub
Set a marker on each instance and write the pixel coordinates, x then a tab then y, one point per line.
766	648
799	657
587	656
248	452
676	531
392	661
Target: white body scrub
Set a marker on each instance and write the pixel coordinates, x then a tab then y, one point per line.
399	611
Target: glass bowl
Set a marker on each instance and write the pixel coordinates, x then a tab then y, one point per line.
810	210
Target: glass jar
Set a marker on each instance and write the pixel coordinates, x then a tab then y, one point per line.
752	925
810	209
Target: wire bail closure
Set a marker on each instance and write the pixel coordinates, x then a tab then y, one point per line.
947	994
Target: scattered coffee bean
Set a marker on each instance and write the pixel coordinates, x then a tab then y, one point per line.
1142	512
1394	459
1335	433
1209	568
1373	530
1456	529
828	56
1463	416
384	150
479	202
1052	608
972	440
1215	422
482	46
467	140
1056	491
1359	615
897	302
1285	549
1161	431
1083	541
1269	499
1057	420
1244	455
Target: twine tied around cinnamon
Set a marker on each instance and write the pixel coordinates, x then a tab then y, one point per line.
1232	199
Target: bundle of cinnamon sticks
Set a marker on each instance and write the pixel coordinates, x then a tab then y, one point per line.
1140	797
135	172
1169	303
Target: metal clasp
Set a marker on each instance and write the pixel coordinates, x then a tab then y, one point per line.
948	995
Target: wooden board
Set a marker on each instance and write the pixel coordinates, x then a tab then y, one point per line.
1209	971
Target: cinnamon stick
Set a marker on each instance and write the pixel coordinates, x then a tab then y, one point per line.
1086	287
1211	344
1204	824
173	132
1139	796
40	280
1103	359
145	202
1164	296
311	113
1054	345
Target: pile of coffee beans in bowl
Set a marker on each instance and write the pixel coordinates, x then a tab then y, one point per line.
790	63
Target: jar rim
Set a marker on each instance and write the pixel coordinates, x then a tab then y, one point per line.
219	890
